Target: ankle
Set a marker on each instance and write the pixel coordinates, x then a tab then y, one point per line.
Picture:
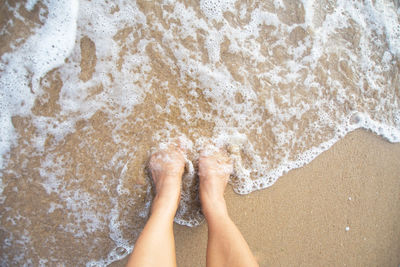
214	208
165	205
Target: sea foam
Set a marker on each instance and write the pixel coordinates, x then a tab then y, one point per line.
95	90
22	70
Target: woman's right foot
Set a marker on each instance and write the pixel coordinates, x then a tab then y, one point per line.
215	168
167	167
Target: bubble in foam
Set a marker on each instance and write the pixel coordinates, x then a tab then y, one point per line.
294	102
22	69
214	9
385	12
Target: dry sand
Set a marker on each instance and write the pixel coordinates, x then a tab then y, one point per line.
301	220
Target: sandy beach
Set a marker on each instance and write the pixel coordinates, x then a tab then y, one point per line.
89	89
301	220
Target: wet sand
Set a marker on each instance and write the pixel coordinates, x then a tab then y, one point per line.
301	220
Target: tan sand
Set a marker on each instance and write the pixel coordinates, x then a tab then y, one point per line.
301	220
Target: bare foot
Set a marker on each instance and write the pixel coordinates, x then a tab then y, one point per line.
215	168
167	167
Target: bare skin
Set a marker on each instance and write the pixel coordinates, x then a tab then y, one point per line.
156	245
226	245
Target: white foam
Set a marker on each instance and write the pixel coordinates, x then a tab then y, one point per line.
54	206
214	9
22	69
283	112
385	13
81	205
30	4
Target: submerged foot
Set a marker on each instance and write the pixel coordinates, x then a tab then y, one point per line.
167	167
215	168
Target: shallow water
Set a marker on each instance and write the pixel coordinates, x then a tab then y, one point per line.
89	89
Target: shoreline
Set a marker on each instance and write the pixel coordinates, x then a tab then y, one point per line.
285	75
341	209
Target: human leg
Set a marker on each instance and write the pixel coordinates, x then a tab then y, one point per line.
226	245
156	245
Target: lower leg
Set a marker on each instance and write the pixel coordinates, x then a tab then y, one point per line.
156	245
226	245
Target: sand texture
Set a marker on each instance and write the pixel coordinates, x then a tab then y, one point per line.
302	219
84	105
